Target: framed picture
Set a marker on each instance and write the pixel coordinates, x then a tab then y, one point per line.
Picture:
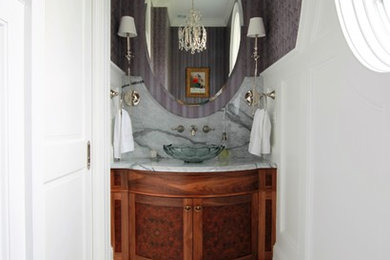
198	82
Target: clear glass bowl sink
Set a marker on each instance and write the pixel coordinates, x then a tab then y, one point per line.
195	153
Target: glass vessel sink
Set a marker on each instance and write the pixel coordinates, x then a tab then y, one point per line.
195	153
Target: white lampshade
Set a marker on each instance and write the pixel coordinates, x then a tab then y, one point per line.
256	27
127	27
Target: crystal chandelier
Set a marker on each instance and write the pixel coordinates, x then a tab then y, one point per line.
193	36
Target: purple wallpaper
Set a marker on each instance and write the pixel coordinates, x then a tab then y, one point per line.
281	19
214	57
161	45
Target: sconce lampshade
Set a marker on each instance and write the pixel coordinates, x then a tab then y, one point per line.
127	27
256	27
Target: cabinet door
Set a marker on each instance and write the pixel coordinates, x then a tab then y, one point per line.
225	228
119	225
160	228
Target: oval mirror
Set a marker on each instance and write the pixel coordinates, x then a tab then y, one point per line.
198	77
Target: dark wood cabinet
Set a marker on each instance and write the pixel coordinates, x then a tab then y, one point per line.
225	228
193	216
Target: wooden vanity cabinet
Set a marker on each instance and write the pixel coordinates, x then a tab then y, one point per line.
194	216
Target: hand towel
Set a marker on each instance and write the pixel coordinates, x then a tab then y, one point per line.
259	142
123	134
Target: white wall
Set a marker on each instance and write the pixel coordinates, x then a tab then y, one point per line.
331	139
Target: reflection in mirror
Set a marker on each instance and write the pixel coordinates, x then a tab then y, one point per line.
223	20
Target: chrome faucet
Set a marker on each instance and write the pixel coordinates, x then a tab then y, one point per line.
193	130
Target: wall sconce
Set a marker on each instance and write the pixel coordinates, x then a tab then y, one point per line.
255	30
127	29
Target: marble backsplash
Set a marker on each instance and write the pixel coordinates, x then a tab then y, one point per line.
153	125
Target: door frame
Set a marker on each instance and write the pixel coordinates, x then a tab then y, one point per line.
12	134
101	130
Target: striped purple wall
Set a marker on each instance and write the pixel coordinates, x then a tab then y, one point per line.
215	57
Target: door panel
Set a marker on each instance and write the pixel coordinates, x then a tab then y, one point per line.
55	154
68	47
64	217
66	181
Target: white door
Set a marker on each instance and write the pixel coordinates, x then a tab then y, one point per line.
12	179
61	98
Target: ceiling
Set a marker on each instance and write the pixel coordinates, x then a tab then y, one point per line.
214	13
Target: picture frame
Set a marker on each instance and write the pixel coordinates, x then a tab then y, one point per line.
198	82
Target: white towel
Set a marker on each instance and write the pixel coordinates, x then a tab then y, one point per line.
123	134
260	142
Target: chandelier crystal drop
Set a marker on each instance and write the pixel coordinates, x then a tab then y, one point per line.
193	36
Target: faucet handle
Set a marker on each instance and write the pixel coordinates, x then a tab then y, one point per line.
193	130
179	128
207	129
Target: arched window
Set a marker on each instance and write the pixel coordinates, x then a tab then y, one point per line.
366	27
235	36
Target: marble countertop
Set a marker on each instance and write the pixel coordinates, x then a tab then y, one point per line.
172	165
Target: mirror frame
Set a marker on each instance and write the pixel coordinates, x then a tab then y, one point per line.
141	67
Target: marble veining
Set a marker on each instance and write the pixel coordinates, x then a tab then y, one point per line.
214	165
153	125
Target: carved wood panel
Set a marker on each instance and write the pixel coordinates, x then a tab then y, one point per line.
223	228
159	227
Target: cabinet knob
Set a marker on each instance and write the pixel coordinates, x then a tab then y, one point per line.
187	208
198	208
